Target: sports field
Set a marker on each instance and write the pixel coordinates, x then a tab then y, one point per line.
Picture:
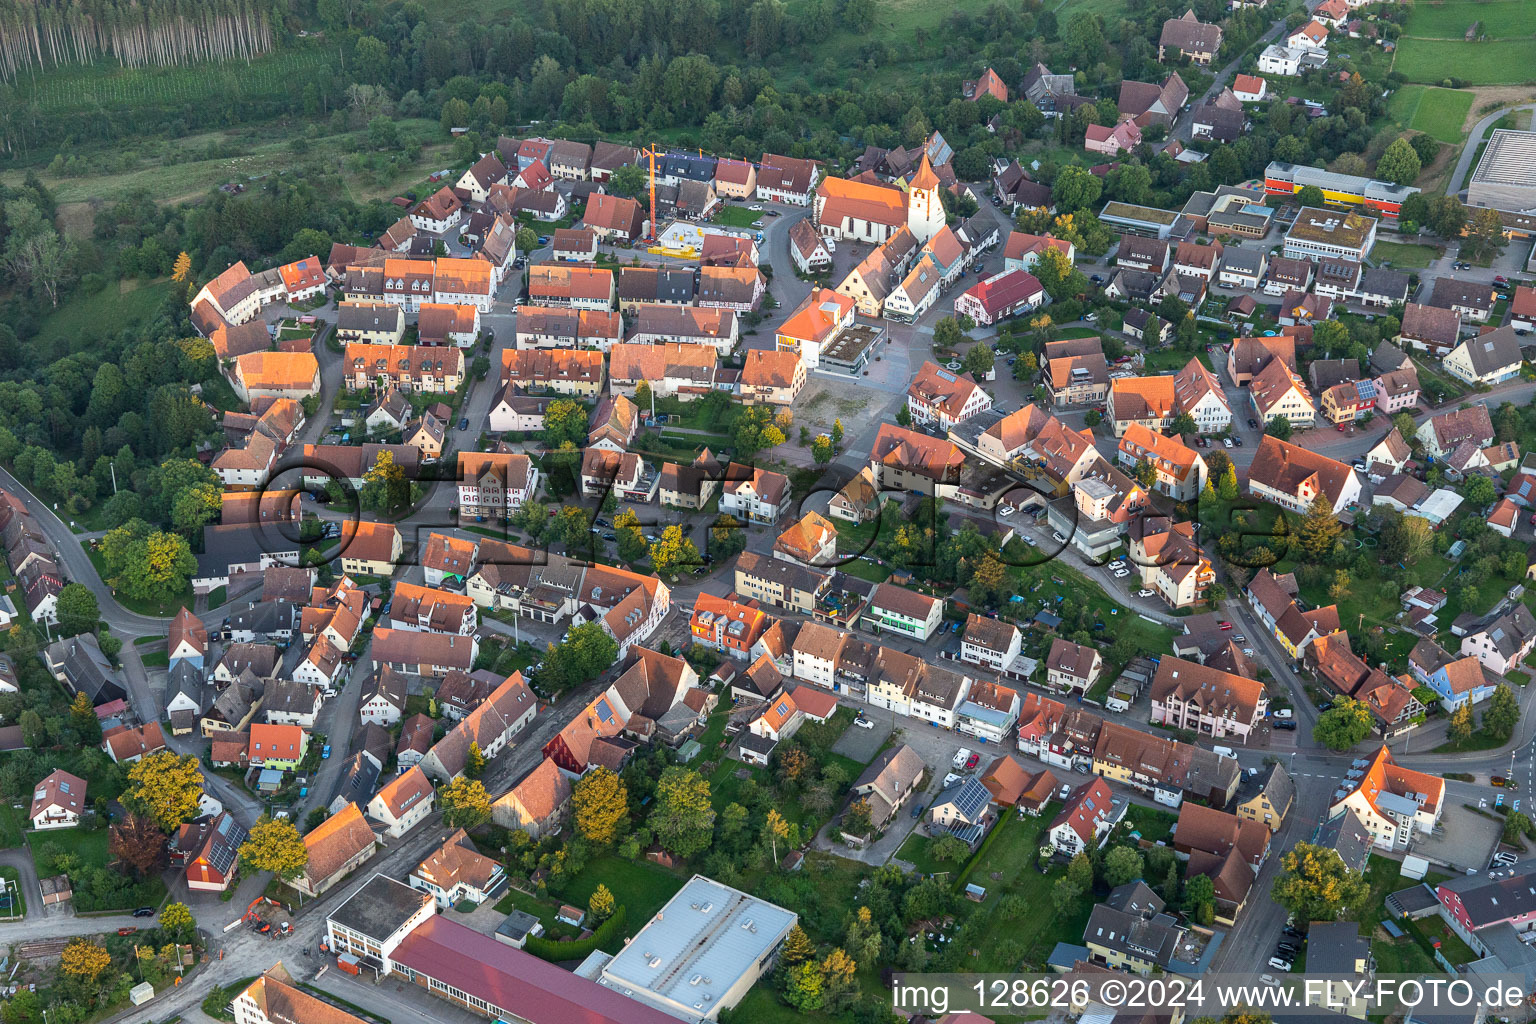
1438	113
1433	45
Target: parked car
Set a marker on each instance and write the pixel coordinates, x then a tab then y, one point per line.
1144	592
1224	624
144	912
1287	726
864	723
325	752
1284	713
1226	442
1278	964
464	423
1237	441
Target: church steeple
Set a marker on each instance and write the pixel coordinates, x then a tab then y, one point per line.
925	209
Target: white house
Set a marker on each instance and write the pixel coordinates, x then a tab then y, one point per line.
58	801
403	803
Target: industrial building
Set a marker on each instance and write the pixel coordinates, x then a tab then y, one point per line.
1505	178
699	954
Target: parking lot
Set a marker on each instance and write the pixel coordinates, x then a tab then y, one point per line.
1463	839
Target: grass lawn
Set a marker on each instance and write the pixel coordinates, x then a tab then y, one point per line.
163	609
1496	62
1440	113
1005	865
19	909
642	887
1498	19
1171	360
10	826
918	850
159	659
1152	823
1436	384
737	217
1479	740
119	306
89	846
1405	254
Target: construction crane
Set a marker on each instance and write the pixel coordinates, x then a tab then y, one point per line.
651	155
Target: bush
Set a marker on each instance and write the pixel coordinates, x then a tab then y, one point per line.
606	937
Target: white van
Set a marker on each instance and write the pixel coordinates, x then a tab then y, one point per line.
1225	751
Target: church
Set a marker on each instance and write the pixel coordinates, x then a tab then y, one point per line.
861	211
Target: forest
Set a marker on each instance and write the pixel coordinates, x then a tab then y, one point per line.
39	34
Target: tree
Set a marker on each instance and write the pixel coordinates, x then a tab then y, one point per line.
837	431
1075	188
856	819
1461	725
600	903
1503	713
526	239
1122	864
1516	825
564	420
802	986
1447	218
1339	588
1485	235
777	828
82	714
177	920
1342	726
146	564
385	488
1315	885
34	253
474	761
195	506
600	804
631	538
644	396
465	803
683	821
77	610
821	449
1279	427
837	985
797	948
274	845
674	551
947	333
139	843
1200	897
182	268
1065	896
1311	195
85	958
949	848
629	180
978	362
1320	528
1399	163
1478	490
1080	871
165	787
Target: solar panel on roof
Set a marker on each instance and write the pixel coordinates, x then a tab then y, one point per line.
604	712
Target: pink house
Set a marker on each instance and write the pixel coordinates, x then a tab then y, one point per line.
1112	141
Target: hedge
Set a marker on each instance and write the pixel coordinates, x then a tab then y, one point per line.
606	938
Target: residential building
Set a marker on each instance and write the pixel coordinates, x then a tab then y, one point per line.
1293	477
336	847
403	803
57	801
942	399
1487	359
537	804
1189	37
1091	811
1431	328
1391	801
456	872
1072	667
1206	700
1180	471
893	608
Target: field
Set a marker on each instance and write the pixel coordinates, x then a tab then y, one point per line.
1498	19
1497	62
106	87
106	312
1404	255
1438	113
172	170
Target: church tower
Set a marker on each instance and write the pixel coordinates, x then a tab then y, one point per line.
925	210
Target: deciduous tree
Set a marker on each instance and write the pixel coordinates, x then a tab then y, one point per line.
1315	885
465	803
683	821
165	787
1342	726
177	920
1122	864
600	805
274	845
77	610
137	842
85	958
1503	713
